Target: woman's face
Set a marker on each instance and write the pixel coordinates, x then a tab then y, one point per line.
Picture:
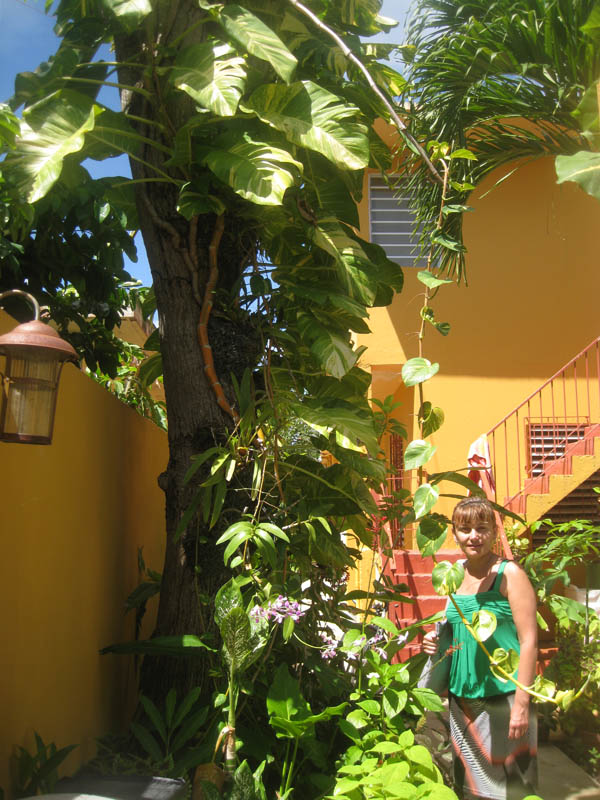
475	538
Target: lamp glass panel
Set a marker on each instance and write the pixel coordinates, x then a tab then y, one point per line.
30	388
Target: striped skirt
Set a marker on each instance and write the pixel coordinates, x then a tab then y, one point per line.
487	764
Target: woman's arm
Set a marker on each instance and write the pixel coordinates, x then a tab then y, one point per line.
521	597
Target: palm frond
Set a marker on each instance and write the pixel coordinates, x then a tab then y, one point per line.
500	79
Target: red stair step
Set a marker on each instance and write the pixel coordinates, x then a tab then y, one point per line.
409	562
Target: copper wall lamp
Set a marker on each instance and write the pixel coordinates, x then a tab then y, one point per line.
35	354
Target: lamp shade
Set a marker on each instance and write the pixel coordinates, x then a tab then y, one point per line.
34	354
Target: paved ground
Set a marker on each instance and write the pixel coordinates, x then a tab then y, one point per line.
562	779
559	777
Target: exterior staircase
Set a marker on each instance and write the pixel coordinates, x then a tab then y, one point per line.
560	478
541	460
410	568
550	443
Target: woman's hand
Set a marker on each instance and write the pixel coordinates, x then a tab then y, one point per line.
519	721
430	643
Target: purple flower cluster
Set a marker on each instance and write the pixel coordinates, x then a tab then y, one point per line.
359	645
373	642
278	610
330	650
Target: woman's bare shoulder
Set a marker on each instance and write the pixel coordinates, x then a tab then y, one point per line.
515	575
513	568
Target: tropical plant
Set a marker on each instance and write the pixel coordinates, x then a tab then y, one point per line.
68	250
584	167
168	737
134	379
37	772
248	128
501	79
566	545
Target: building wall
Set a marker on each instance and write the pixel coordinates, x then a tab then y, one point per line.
530	305
73	516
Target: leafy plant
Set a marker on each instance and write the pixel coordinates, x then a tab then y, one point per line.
144	591
37	772
474	77
567	544
384	760
293	720
132	384
168	738
244	637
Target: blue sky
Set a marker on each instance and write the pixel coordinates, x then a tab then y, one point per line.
27	39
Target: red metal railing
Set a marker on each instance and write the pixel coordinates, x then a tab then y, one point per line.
538	437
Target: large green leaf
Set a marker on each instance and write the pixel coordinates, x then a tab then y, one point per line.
425	498
431	280
129	13
592	25
9	125
258	172
49	132
329	188
192	203
447	577
297	728
227	598
431	534
236	633
312	117
484	623
418	370
150	369
431	418
213	75
111	136
418	453
333	350
284	699
587	112
334	353
185	645
258	39
582	168
342	417
353	266
508	660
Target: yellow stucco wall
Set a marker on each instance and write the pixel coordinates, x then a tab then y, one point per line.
73	516
531	304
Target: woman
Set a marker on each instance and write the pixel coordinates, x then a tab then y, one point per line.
494	733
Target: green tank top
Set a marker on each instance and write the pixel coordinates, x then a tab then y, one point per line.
470	674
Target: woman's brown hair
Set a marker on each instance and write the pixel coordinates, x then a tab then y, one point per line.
473	510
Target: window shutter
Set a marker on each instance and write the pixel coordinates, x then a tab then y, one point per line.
392	224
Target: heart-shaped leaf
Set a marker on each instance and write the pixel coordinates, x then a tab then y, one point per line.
431	418
418	370
447	577
424	500
508	660
429	279
256	171
418	453
431	534
212	74
582	168
483	623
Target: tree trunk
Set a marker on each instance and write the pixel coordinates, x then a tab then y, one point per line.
191	570
178	254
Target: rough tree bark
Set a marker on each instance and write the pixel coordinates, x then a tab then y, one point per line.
177	249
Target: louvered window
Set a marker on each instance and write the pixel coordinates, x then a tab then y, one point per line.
392	224
548	441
